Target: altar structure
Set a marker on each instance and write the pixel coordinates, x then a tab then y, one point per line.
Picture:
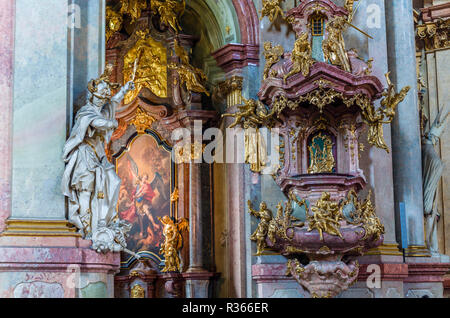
224	148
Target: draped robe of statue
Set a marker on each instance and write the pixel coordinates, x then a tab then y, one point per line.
432	169
89	180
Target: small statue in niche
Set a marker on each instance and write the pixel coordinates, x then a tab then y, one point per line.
301	57
89	180
173	241
137	291
432	168
272	54
261	232
321	154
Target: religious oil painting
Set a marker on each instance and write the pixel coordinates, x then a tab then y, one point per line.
145	171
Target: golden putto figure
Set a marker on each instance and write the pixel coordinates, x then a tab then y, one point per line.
271	9
190	75
169	12
261	232
173	242
133	8
272	54
113	22
383	115
301	56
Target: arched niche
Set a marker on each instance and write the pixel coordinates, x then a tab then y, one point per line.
214	24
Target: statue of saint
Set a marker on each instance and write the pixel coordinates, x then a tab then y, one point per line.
432	168
89	180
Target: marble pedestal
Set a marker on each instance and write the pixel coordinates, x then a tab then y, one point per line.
55	267
198	283
272	282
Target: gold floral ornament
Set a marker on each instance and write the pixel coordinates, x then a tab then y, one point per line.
193	77
133	8
271	9
169	11
262	230
321	154
325	216
113	22
142	121
151	71
272	54
301	57
173	241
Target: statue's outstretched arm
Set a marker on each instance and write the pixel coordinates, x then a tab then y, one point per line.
103	124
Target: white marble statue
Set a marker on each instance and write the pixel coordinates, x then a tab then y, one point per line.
90	181
432	168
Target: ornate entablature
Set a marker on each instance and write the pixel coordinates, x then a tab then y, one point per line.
433	27
320	97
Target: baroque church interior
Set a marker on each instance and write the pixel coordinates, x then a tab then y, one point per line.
224	149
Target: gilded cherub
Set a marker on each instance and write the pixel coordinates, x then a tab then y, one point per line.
272	54
190	75
169	12
133	8
275	223
173	242
260	234
392	99
271	9
246	115
325	216
113	22
383	115
301	56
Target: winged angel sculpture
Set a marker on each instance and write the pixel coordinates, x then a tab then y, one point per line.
173	241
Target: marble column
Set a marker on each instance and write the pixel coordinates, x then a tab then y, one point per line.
197	277
406	147
41	255
377	163
7	17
